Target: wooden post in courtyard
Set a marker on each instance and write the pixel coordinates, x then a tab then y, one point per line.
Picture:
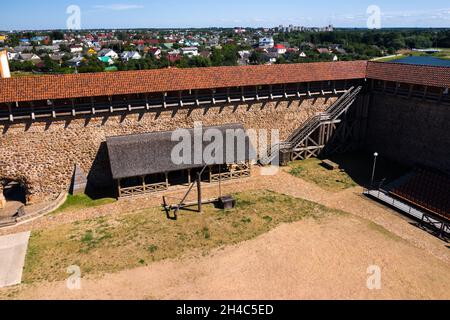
2	198
199	192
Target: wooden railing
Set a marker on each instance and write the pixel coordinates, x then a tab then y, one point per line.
143	189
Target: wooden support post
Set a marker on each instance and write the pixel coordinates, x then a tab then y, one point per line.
74	113
167	180
144	186
189	176
147	105
164	99
441	94
11	117
199	192
119	189
196	98
33	116
425	93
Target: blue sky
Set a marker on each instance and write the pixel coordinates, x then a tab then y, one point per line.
44	14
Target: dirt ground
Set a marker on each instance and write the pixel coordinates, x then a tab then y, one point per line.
305	260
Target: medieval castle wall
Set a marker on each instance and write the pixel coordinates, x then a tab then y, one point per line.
414	132
43	155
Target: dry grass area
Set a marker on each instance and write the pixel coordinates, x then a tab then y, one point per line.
311	170
109	244
323	258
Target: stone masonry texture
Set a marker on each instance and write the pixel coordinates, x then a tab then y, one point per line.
43	155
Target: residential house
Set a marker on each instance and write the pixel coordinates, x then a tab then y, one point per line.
28	57
91	52
130	55
174	57
3	38
108	53
340	51
106	60
76	49
266	43
156	52
11	55
24	49
244	57
57	57
75	62
323	51
190	51
280	49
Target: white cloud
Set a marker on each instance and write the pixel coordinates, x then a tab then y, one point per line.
118	7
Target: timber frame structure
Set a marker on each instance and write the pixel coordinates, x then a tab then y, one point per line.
215	174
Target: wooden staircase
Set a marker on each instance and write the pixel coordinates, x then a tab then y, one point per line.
311	138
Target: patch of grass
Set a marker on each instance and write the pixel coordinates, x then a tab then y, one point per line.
380	229
81	202
311	170
111	244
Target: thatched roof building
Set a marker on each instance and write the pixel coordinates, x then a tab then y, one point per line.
151	153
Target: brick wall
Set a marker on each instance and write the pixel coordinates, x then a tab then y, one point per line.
43	155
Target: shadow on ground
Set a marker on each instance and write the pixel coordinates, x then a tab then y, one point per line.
358	165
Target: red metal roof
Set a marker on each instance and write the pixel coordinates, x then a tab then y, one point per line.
162	80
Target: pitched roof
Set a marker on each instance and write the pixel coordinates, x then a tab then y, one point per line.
150	153
163	80
408	73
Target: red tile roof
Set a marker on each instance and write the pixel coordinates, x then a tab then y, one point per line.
147	81
408	73
162	80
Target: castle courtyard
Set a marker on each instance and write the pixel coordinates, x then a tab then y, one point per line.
318	246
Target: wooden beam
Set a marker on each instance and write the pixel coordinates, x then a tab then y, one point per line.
199	192
167	180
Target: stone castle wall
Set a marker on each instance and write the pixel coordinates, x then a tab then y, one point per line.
410	131
43	155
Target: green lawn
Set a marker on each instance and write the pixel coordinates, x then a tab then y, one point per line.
112	244
82	202
311	170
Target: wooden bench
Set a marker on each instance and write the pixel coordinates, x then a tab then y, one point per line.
330	165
